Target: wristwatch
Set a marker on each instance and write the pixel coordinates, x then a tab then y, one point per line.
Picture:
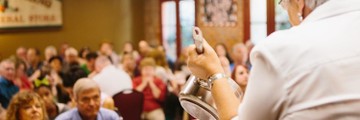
214	77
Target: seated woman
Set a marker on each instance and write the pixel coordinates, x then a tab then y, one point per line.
240	76
53	108
26	105
153	89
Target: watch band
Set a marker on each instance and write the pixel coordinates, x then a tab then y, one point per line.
214	77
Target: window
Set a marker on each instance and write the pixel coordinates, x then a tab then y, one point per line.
171	30
267	16
258	22
281	17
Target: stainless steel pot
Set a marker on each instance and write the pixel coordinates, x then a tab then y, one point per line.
197	100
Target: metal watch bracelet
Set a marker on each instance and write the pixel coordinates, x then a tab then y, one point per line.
214	77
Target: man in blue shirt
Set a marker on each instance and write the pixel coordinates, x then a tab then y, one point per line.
7	87
87	98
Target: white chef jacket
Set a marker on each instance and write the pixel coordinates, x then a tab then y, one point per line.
309	72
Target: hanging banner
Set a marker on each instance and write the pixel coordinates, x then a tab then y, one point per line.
30	13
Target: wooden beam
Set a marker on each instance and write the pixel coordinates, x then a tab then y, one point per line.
178	29
246	22
270	16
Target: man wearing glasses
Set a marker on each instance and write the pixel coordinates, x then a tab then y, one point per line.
87	98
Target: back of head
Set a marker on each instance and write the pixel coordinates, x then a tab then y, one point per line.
84	84
91	55
72	75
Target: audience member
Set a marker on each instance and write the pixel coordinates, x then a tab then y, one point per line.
129	49
26	105
240	75
72	56
225	65
87	97
240	55
33	59
21	53
111	80
128	64
53	108
89	66
153	89
70	77
221	50
50	51
106	48
162	69
144	48
181	69
7	86
83	52
21	79
63	48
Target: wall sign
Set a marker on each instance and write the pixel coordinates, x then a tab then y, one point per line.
30	13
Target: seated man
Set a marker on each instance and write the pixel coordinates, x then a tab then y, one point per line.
87	97
7	87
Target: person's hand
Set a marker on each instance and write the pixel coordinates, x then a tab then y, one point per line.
146	80
204	65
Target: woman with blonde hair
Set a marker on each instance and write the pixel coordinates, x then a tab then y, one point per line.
162	69
26	105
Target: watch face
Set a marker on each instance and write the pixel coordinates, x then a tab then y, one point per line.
203	83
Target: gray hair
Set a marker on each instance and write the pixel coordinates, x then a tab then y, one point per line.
84	84
71	51
52	49
312	4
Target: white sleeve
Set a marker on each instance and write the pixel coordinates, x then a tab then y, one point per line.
264	89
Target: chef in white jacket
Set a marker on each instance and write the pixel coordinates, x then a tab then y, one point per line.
308	72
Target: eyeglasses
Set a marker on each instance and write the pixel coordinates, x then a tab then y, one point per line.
86	100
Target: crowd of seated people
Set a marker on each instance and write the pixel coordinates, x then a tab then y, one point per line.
27	79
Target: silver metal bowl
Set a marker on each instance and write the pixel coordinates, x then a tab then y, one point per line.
197	100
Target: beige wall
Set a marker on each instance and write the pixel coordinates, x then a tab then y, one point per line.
85	23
